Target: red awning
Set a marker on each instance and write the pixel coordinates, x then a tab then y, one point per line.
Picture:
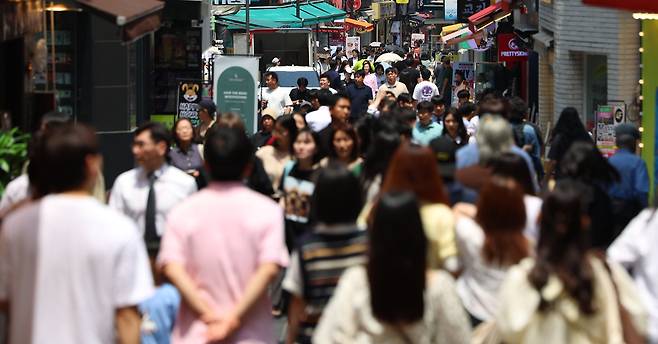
631	5
482	19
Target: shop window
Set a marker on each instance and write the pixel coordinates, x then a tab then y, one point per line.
596	86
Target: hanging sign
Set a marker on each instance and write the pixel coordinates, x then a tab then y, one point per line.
605	130
467	8
509	49
236	82
189	96
450	10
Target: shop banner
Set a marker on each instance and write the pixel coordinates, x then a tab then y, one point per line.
450	10
467	8
352	43
509	49
467	70
189	96
236	82
605	130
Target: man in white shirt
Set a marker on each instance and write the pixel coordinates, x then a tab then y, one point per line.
71	269
320	118
148	192
274	96
425	90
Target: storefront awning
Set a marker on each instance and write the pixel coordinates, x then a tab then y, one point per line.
310	13
359	24
135	17
488	16
631	5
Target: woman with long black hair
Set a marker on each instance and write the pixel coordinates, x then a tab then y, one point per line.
567	294
568	129
394	298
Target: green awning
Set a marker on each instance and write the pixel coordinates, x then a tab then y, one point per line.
310	13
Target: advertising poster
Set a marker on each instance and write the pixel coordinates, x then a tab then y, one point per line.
605	130
236	82
463	78
189	96
352	43
416	37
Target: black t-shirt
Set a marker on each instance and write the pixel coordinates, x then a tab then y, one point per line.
296	94
409	77
359	97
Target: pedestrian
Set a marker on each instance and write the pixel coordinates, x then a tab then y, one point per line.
276	155
370	79
630	194
425	130
454	128
226	300
325	83
583	162
264	135
566	294
405	101
385	141
148	192
512	166
414	169
463	96
568	129
300	93
445	90
274	96
471	119
425	90
300	120
490	238
334	240
333	75
207	116
360	96
72	270
634	250
186	154
354	59
344	149
297	185
409	75
381	76
439	109
339	110
525	135
320	118
395	297
445	150
392	84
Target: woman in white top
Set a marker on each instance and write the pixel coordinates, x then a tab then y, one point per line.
489	243
567	294
394	298
635	249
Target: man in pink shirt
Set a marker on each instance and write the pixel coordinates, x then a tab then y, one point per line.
222	248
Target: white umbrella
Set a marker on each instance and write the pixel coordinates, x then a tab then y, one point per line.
389	57
376	44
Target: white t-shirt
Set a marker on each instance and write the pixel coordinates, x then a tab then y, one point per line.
478	284
277	99
635	249
532	210
67	263
425	90
16	191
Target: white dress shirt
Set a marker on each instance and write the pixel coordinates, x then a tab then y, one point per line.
319	119
131	189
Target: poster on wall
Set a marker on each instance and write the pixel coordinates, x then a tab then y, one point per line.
352	43
189	96
417	37
463	78
236	82
605	130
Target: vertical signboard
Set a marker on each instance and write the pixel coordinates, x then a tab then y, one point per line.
605	130
189	96
467	8
450	10
509	49
236	82
352	43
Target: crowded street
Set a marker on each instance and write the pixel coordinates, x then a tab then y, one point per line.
328	171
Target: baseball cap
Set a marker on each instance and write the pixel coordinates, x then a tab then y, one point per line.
275	60
445	151
208	105
627	129
269	112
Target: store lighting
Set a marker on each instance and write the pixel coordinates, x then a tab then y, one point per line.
641	82
62	8
641	34
640	129
641	97
641	145
645	16
641	50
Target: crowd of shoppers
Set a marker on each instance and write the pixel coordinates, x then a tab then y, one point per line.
403	221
